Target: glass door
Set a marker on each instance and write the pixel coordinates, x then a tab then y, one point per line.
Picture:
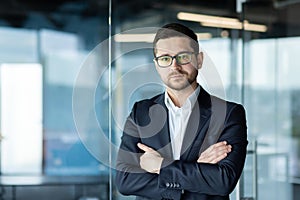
271	97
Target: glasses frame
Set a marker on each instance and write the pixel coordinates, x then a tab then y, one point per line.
174	57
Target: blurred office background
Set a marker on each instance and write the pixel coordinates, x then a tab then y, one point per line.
70	71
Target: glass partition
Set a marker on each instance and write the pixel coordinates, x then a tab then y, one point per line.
42	51
92	60
271	64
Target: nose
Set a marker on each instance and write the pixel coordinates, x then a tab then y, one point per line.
174	65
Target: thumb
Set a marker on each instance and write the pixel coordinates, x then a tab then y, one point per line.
144	147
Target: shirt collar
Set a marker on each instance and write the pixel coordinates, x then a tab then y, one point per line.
191	100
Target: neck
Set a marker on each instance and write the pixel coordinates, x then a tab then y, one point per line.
179	97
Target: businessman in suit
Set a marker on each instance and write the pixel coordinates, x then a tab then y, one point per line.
183	143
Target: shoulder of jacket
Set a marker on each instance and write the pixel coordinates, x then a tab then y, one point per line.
229	104
150	101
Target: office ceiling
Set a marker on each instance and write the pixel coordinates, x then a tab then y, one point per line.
281	15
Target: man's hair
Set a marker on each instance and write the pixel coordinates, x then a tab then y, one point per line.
176	30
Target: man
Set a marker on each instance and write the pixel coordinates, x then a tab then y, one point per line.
184	143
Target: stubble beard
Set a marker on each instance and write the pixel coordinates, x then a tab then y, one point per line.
182	83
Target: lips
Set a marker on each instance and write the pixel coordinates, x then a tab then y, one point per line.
176	75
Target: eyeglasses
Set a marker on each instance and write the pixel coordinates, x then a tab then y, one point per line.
181	59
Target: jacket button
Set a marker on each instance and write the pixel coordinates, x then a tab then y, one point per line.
167	184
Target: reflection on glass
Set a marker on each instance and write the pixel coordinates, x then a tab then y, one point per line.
65	151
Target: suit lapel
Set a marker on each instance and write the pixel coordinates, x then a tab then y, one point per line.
197	125
195	132
163	137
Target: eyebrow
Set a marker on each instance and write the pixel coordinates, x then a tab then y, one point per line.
166	54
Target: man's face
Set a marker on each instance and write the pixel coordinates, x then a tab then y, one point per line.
178	77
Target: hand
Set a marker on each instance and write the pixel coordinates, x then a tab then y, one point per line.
151	160
215	153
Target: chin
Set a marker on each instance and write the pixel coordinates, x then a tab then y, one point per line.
179	87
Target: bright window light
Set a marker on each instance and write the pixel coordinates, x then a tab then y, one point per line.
21	118
221	22
149	37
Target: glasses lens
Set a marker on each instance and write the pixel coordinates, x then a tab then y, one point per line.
184	58
164	61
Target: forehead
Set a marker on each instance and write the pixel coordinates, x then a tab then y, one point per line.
173	45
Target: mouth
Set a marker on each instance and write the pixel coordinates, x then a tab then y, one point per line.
176	76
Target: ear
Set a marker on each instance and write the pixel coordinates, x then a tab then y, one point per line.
199	60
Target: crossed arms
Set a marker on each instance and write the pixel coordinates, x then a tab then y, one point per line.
142	170
151	160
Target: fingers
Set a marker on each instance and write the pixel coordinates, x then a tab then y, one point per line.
219	148
215	153
144	147
218	158
220	145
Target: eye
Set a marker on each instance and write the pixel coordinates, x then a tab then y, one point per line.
184	57
164	59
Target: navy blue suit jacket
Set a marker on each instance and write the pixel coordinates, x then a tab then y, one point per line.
211	120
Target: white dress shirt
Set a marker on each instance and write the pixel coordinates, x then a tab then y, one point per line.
178	119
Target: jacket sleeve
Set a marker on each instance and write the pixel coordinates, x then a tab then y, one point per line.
130	178
213	179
